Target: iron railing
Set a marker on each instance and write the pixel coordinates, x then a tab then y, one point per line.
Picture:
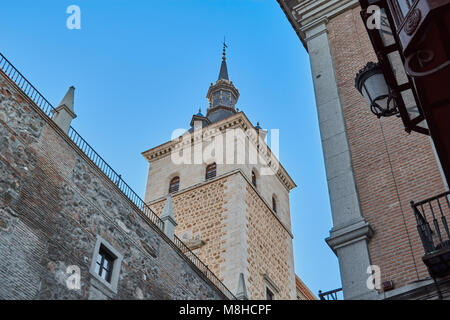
23	84
331	295
431	216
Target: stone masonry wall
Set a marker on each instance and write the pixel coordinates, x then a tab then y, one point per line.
53	204
201	214
241	234
382	151
269	251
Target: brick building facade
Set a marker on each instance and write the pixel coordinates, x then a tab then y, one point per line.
62	216
374	168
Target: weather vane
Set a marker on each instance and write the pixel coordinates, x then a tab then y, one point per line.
224	48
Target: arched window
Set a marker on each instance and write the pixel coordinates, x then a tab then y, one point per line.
174	185
254	178
211	171
274	203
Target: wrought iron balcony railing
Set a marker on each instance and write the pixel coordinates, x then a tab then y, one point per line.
34	95
331	295
432	224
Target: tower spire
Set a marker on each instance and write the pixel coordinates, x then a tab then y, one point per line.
222	95
223	74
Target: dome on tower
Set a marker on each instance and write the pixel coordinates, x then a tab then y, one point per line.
222	95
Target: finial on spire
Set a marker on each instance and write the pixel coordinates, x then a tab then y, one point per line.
223	74
199	114
224	56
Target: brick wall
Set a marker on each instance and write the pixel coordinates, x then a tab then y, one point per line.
391	167
303	292
53	204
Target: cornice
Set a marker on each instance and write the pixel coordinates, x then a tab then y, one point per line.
307	14
289	14
235	121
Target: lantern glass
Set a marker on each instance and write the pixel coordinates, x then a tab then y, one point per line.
375	88
371	82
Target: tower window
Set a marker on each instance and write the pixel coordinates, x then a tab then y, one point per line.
269	294
271	288
104	264
211	171
254	178
274	203
174	185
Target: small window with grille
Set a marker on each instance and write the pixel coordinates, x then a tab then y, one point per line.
174	185
211	171
104	264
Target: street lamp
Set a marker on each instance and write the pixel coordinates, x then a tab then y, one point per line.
371	83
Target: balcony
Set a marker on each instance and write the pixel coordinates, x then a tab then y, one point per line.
432	225
331	295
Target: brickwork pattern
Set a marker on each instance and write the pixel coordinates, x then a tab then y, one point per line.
200	214
303	292
396	246
53	204
268	250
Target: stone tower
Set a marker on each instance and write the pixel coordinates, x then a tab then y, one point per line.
374	168
230	197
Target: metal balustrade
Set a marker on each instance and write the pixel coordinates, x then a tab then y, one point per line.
26	87
431	216
331	295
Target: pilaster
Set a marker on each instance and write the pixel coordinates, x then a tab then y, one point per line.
351	233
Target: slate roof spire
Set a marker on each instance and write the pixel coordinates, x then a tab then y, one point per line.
223	74
222	95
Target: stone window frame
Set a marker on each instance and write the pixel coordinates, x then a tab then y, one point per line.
255	178
211	171
172	187
275	203
270	293
118	257
270	285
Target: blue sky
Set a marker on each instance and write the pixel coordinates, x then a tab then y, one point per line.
141	68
